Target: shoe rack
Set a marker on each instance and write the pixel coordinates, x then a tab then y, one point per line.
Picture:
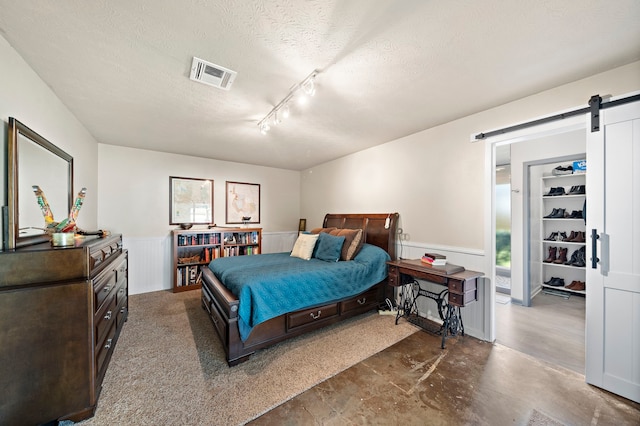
563	265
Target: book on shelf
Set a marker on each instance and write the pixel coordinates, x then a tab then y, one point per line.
434	259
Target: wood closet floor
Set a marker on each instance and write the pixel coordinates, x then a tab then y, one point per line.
552	329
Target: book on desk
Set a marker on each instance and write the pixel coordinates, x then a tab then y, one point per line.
434	259
446	269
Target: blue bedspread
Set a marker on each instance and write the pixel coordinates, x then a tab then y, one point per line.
269	285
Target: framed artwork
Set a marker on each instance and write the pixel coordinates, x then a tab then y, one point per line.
190	201
243	202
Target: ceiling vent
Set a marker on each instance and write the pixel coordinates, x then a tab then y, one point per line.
212	74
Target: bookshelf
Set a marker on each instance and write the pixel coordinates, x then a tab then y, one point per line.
195	248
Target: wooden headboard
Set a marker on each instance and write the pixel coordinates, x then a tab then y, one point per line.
372	225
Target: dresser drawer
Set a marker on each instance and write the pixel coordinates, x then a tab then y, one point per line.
102	288
366	299
121	318
100	254
103	352
121	269
104	319
121	293
122	305
308	316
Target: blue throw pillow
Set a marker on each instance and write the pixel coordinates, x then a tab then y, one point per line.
329	247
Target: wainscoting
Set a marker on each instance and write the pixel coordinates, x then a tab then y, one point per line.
150	270
475	315
150	258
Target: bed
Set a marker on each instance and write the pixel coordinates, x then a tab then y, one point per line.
241	337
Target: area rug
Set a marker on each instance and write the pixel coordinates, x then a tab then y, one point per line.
169	368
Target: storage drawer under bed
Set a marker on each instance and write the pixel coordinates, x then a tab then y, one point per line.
360	301
308	316
216	318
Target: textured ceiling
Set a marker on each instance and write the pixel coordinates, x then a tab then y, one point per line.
387	68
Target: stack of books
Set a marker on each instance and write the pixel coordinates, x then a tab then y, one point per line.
434	259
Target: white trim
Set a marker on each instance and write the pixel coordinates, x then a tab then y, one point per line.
438	247
573	123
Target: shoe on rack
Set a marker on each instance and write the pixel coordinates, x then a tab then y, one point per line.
571	236
555	282
552	255
579	260
576	285
560	170
576	214
562	256
552	214
562	236
555	191
552	237
579	237
574	258
559	214
577	190
570	286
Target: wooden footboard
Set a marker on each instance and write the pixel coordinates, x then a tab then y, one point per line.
222	307
378	229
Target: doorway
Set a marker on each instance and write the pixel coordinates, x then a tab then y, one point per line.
544	326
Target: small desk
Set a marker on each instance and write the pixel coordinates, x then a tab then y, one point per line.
461	289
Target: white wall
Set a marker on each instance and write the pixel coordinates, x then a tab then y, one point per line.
24	96
436	179
134	201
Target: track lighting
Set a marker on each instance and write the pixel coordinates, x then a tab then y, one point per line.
302	91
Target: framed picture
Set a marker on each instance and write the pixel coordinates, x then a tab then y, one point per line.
190	201
243	202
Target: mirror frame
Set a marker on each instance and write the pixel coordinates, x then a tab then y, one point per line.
16	128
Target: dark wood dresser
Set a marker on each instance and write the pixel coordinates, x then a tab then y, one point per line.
61	312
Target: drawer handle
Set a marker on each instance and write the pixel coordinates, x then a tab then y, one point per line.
108	316
108	345
315	317
107	289
362	301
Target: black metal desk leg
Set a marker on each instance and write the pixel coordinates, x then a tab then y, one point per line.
446	324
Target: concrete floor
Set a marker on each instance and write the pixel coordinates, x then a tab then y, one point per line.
470	382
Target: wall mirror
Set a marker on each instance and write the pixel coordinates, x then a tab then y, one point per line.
33	160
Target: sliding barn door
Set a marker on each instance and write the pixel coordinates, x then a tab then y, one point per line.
613	280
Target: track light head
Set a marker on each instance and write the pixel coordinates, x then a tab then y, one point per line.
285	111
264	127
301	91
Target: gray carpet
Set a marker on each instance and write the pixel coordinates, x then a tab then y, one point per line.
168	366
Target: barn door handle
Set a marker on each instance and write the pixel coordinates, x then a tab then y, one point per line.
594	248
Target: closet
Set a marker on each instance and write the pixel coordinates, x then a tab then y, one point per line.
562	238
